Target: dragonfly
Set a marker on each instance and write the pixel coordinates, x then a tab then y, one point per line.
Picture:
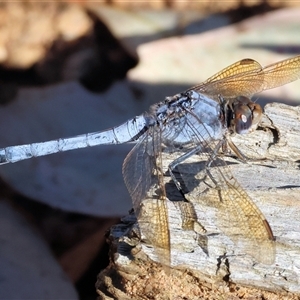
200	120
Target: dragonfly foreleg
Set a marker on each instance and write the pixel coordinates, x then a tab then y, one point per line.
212	158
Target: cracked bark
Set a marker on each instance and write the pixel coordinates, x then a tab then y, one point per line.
212	264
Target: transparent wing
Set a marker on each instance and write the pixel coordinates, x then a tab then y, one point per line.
281	73
246	77
242	221
234	80
239	218
142	172
137	170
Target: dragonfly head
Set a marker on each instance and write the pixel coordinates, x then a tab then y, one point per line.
245	115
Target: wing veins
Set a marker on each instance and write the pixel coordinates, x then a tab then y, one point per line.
246	78
142	171
239	205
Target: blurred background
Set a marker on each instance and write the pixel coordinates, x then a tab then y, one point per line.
73	67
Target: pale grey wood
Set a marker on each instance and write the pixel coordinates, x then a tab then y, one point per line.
273	184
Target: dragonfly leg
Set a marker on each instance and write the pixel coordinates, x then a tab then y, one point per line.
221	144
178	161
240	156
187	210
211	159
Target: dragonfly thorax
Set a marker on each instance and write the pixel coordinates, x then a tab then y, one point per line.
188	116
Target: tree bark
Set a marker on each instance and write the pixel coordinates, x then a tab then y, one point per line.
210	258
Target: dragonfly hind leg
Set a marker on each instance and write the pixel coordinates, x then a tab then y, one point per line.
187	155
178	161
187	210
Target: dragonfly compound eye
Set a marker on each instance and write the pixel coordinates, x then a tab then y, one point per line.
256	113
243	118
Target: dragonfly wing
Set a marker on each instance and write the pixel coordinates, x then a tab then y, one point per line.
281	73
234	80
137	171
246	78
142	172
240	219
236	69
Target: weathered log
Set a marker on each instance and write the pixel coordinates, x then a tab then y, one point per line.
214	264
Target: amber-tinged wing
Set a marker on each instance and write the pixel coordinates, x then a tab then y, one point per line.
239	218
246	77
233	81
281	73
142	172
